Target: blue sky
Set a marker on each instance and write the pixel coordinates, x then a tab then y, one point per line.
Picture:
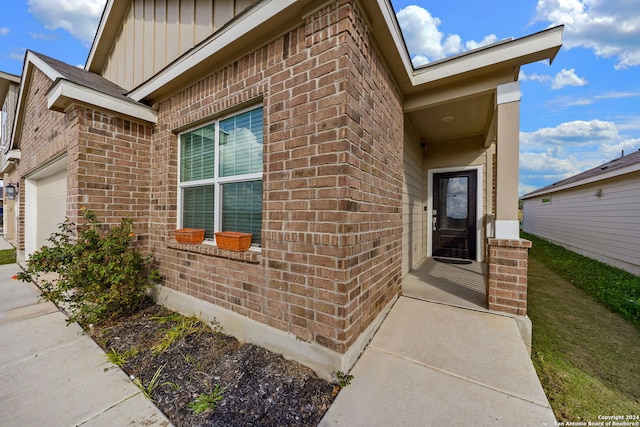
581	111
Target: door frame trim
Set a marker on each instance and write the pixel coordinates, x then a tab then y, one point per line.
479	197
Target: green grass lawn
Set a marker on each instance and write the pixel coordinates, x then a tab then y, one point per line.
7	256
587	358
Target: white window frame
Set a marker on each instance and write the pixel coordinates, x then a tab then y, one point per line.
217	180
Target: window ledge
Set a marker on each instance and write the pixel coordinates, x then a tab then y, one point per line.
250	256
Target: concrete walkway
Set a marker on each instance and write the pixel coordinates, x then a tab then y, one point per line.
431	364
52	374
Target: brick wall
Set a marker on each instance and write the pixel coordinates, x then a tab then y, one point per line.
110	169
507	275
108	159
332	220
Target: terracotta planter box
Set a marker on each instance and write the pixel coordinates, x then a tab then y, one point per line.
189	236
233	241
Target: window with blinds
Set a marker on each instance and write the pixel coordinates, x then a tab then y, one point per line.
221	175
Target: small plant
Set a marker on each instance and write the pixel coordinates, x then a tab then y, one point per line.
206	402
120	358
184	327
149	388
98	276
343	380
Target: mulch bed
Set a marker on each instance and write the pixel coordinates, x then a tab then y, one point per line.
261	388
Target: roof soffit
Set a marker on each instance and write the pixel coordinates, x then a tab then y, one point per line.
6	81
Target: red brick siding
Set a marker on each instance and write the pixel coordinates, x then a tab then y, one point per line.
332	183
507	275
108	159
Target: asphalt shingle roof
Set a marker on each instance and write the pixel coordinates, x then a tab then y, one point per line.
86	78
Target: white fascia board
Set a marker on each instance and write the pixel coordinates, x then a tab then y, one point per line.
263	12
101	26
9	77
485	57
390	18
65	92
600	177
42	66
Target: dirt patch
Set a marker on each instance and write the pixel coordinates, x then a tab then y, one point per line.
261	388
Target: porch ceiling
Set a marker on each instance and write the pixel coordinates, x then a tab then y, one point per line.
455	119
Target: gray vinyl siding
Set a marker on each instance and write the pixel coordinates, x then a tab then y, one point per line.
605	227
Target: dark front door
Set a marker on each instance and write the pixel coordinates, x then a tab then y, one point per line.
454	214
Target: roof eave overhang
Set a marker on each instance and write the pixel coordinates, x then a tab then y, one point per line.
508	55
9	160
6	80
590	180
490	60
31	60
64	93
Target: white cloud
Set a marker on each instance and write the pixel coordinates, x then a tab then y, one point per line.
567	78
426	43
611	151
79	17
419	60
491	38
421	34
563	78
618	95
611	28
4	31
575	134
549	164
42	36
18	55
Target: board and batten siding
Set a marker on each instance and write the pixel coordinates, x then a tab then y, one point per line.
605	227
413	202
156	32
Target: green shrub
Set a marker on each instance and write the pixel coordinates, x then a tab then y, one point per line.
98	275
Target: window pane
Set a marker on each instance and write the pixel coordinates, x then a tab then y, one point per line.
241	144
197	154
197	209
242	208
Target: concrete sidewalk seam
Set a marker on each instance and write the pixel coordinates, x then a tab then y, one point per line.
460	377
46	351
13	314
115	405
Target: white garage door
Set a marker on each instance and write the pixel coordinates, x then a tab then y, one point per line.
45	205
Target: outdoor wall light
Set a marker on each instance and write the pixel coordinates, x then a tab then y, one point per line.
11	191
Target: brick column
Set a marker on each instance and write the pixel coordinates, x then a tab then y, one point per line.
507	276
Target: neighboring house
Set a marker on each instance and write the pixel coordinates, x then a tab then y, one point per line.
300	121
9	88
594	213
